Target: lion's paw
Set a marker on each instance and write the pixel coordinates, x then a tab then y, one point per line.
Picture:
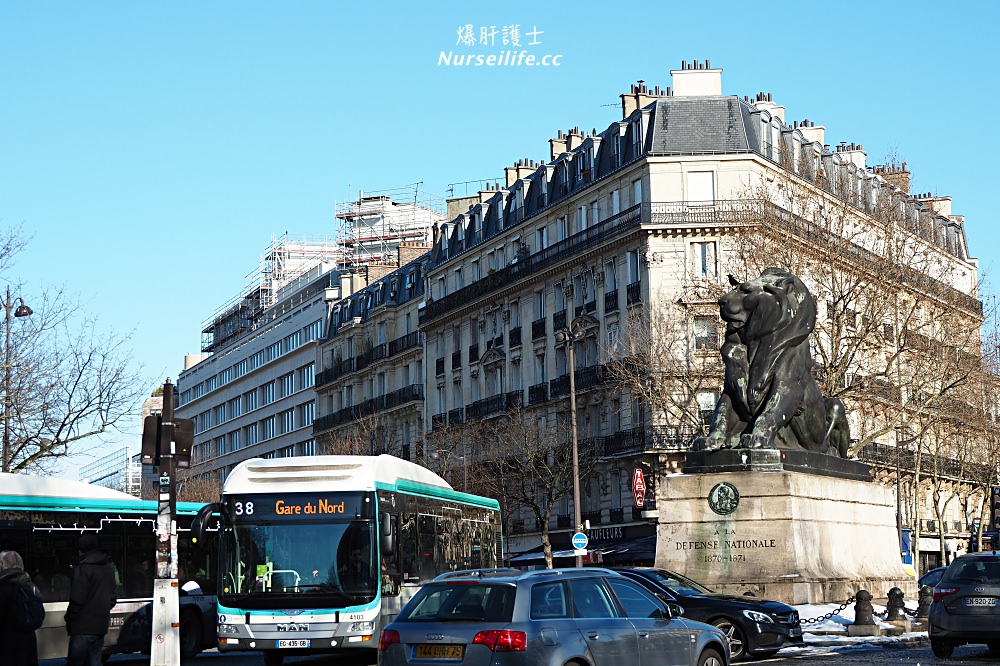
755	441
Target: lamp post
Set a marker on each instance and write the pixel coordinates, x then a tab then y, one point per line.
570	335
21	311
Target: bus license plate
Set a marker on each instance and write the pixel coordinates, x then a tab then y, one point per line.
300	643
440	651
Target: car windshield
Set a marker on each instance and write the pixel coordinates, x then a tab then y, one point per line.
460	602
677	583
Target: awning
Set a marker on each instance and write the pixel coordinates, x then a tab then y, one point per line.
621	552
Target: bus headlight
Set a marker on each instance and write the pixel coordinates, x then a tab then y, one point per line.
228	629
362	627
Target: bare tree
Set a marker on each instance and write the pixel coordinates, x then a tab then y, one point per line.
195	487
69	383
526	459
368	435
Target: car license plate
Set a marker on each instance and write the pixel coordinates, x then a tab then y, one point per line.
440	651
980	601
299	643
795	631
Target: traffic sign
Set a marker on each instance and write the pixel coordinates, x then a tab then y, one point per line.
580	541
639	487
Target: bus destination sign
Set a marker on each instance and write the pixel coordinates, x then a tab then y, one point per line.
281	506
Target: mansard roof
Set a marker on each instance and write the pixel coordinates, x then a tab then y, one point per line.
700	125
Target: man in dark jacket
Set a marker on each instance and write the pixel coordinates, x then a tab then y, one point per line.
92	595
19	647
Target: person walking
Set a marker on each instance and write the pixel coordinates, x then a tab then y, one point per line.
92	595
19	645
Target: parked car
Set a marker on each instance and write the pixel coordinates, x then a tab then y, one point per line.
505	617
755	627
966	608
931	578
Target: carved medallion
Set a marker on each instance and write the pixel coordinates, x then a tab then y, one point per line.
724	498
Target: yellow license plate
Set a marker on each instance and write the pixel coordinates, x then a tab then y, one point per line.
440	651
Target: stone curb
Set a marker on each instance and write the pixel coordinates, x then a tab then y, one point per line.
883	641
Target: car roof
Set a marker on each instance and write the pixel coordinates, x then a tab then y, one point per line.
512	575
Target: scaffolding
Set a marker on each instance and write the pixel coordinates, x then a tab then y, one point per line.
368	232
373	225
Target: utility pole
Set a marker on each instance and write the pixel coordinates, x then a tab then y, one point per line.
166	443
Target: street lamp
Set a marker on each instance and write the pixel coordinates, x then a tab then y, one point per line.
570	335
21	311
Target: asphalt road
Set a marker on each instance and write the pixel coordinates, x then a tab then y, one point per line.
910	655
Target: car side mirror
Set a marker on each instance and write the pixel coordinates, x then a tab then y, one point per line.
675	610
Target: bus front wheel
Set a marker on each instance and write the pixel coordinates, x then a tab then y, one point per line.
190	635
273	658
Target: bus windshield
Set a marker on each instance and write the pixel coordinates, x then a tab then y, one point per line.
295	559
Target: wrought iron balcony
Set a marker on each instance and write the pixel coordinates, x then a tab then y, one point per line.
456	416
538	393
456	360
633	293
611	301
559	320
405	342
515	337
474	353
538	329
439	366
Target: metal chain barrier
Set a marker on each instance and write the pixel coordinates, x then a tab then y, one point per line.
824	618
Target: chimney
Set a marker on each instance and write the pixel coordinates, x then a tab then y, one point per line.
557	146
696	80
854	153
764	102
511	173
939	205
639	96
812	132
525	168
895	174
408	251
573	139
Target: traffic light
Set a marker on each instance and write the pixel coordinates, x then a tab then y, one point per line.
995	508
151	441
183	439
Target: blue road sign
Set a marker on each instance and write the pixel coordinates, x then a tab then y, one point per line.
580	541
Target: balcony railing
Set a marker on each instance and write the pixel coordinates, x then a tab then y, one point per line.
376	353
439	421
587	308
538	329
456	416
563	521
633	293
515	337
888	457
559	386
474	353
456	360
374	405
612	227
559	320
401	344
593	516
439	366
611	301
538	393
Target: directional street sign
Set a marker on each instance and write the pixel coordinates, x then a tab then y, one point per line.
580	541
639	487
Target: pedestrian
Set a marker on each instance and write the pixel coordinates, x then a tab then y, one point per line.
19	645
91	598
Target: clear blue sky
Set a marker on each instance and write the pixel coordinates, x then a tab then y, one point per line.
153	149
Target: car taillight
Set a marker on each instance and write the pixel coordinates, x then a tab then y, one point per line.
941	592
388	637
502	640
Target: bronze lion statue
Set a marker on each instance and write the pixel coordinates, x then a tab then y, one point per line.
770	399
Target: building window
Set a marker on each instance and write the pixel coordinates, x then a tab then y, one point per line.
706	405
287	384
706	333
234	441
703	259
267	393
252	434
701	188
309	448
235	407
307	376
637	192
542	238
258	359
220	414
268	427
633	266
307	413
286	421
615	202
251	400
226	376
240	368
273	351
314	330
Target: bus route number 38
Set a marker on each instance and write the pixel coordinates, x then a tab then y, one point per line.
243	508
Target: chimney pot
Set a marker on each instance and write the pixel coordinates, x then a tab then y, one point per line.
707	66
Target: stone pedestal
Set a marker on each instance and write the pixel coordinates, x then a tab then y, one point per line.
795	536
863	630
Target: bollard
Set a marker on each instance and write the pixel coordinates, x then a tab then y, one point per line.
864	623
895	605
863	609
925	597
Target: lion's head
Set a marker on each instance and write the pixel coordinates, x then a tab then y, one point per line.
775	304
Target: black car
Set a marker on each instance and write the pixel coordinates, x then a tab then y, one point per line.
755	627
966	606
931	578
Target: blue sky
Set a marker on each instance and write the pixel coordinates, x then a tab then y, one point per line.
152	150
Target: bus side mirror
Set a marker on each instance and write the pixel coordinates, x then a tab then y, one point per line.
387	532
204	520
